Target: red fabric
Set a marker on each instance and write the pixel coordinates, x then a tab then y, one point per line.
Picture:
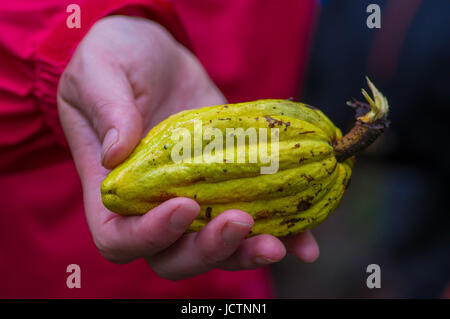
251	50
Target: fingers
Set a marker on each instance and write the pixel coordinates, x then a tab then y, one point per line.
303	246
266	249
122	239
220	244
199	252
256	252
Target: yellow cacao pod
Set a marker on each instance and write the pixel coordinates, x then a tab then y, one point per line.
285	163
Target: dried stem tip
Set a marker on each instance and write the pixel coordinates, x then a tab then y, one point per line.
371	120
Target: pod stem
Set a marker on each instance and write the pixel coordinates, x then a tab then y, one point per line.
371	120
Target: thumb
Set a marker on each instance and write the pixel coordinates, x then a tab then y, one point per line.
119	129
106	98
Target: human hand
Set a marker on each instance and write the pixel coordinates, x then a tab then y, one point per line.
127	75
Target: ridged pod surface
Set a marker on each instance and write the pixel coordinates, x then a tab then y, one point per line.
308	186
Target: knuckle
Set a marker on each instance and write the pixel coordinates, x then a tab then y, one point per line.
103	247
100	243
209	255
162	271
109	251
68	77
151	243
101	106
152	246
67	82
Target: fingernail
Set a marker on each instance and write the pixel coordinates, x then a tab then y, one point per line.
110	139
233	232
262	260
180	221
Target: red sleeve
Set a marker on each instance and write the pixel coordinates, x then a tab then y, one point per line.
55	51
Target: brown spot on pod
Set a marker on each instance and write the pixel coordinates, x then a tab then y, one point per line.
198	179
292	221
309	178
208	212
304	204
263	214
307	132
272	122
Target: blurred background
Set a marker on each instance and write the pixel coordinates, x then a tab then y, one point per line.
396	212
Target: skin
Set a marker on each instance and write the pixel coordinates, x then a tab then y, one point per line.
127	75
